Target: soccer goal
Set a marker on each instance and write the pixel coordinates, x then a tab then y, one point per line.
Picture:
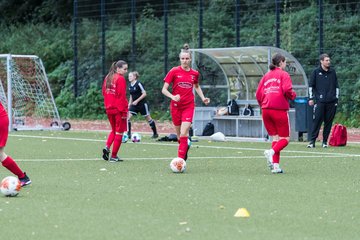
25	93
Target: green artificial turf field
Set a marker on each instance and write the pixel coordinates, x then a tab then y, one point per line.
76	195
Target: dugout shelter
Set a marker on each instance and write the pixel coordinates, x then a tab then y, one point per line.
234	73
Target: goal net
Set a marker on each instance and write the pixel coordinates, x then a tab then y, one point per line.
25	93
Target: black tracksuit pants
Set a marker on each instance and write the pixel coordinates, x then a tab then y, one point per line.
323	112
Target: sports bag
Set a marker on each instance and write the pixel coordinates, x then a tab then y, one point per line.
338	135
170	138
248	111
233	108
209	129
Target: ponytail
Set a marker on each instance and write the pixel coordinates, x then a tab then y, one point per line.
112	71
272	66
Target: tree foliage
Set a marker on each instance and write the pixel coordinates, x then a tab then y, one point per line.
44	28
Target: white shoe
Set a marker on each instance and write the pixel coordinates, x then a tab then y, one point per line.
269	158
311	145
276	168
115	159
324	145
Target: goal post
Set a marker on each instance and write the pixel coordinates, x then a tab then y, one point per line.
26	94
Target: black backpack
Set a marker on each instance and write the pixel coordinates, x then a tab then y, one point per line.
233	108
248	111
170	138
209	129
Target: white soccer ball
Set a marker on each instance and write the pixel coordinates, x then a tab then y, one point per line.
135	137
10	186
125	138
178	165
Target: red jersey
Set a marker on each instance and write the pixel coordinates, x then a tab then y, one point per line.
182	84
115	95
275	90
2	110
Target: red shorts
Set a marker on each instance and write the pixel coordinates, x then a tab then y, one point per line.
181	115
276	122
118	121
4	130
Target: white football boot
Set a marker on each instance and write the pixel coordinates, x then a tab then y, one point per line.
269	158
276	168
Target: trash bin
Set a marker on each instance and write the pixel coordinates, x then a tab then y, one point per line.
301	105
303	117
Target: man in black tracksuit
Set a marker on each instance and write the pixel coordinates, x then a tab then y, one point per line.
323	95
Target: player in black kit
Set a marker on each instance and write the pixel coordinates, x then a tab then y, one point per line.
138	104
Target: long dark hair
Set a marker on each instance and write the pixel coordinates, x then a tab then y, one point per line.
276	60
112	71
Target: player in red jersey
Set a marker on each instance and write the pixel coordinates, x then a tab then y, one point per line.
116	106
6	160
273	94
183	79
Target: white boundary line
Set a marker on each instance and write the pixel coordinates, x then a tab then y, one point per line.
320	154
232	139
163	158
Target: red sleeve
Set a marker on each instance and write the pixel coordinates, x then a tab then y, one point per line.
287	88
259	92
121	92
290	95
169	76
120	86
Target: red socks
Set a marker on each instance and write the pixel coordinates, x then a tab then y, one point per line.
277	147
183	146
280	145
276	156
116	146
110	139
11	165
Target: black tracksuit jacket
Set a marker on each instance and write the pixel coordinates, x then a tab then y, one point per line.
323	86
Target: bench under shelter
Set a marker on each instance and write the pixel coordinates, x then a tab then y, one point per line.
234	73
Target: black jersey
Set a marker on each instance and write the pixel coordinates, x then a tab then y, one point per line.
136	90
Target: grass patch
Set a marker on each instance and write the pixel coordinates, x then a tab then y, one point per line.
76	195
